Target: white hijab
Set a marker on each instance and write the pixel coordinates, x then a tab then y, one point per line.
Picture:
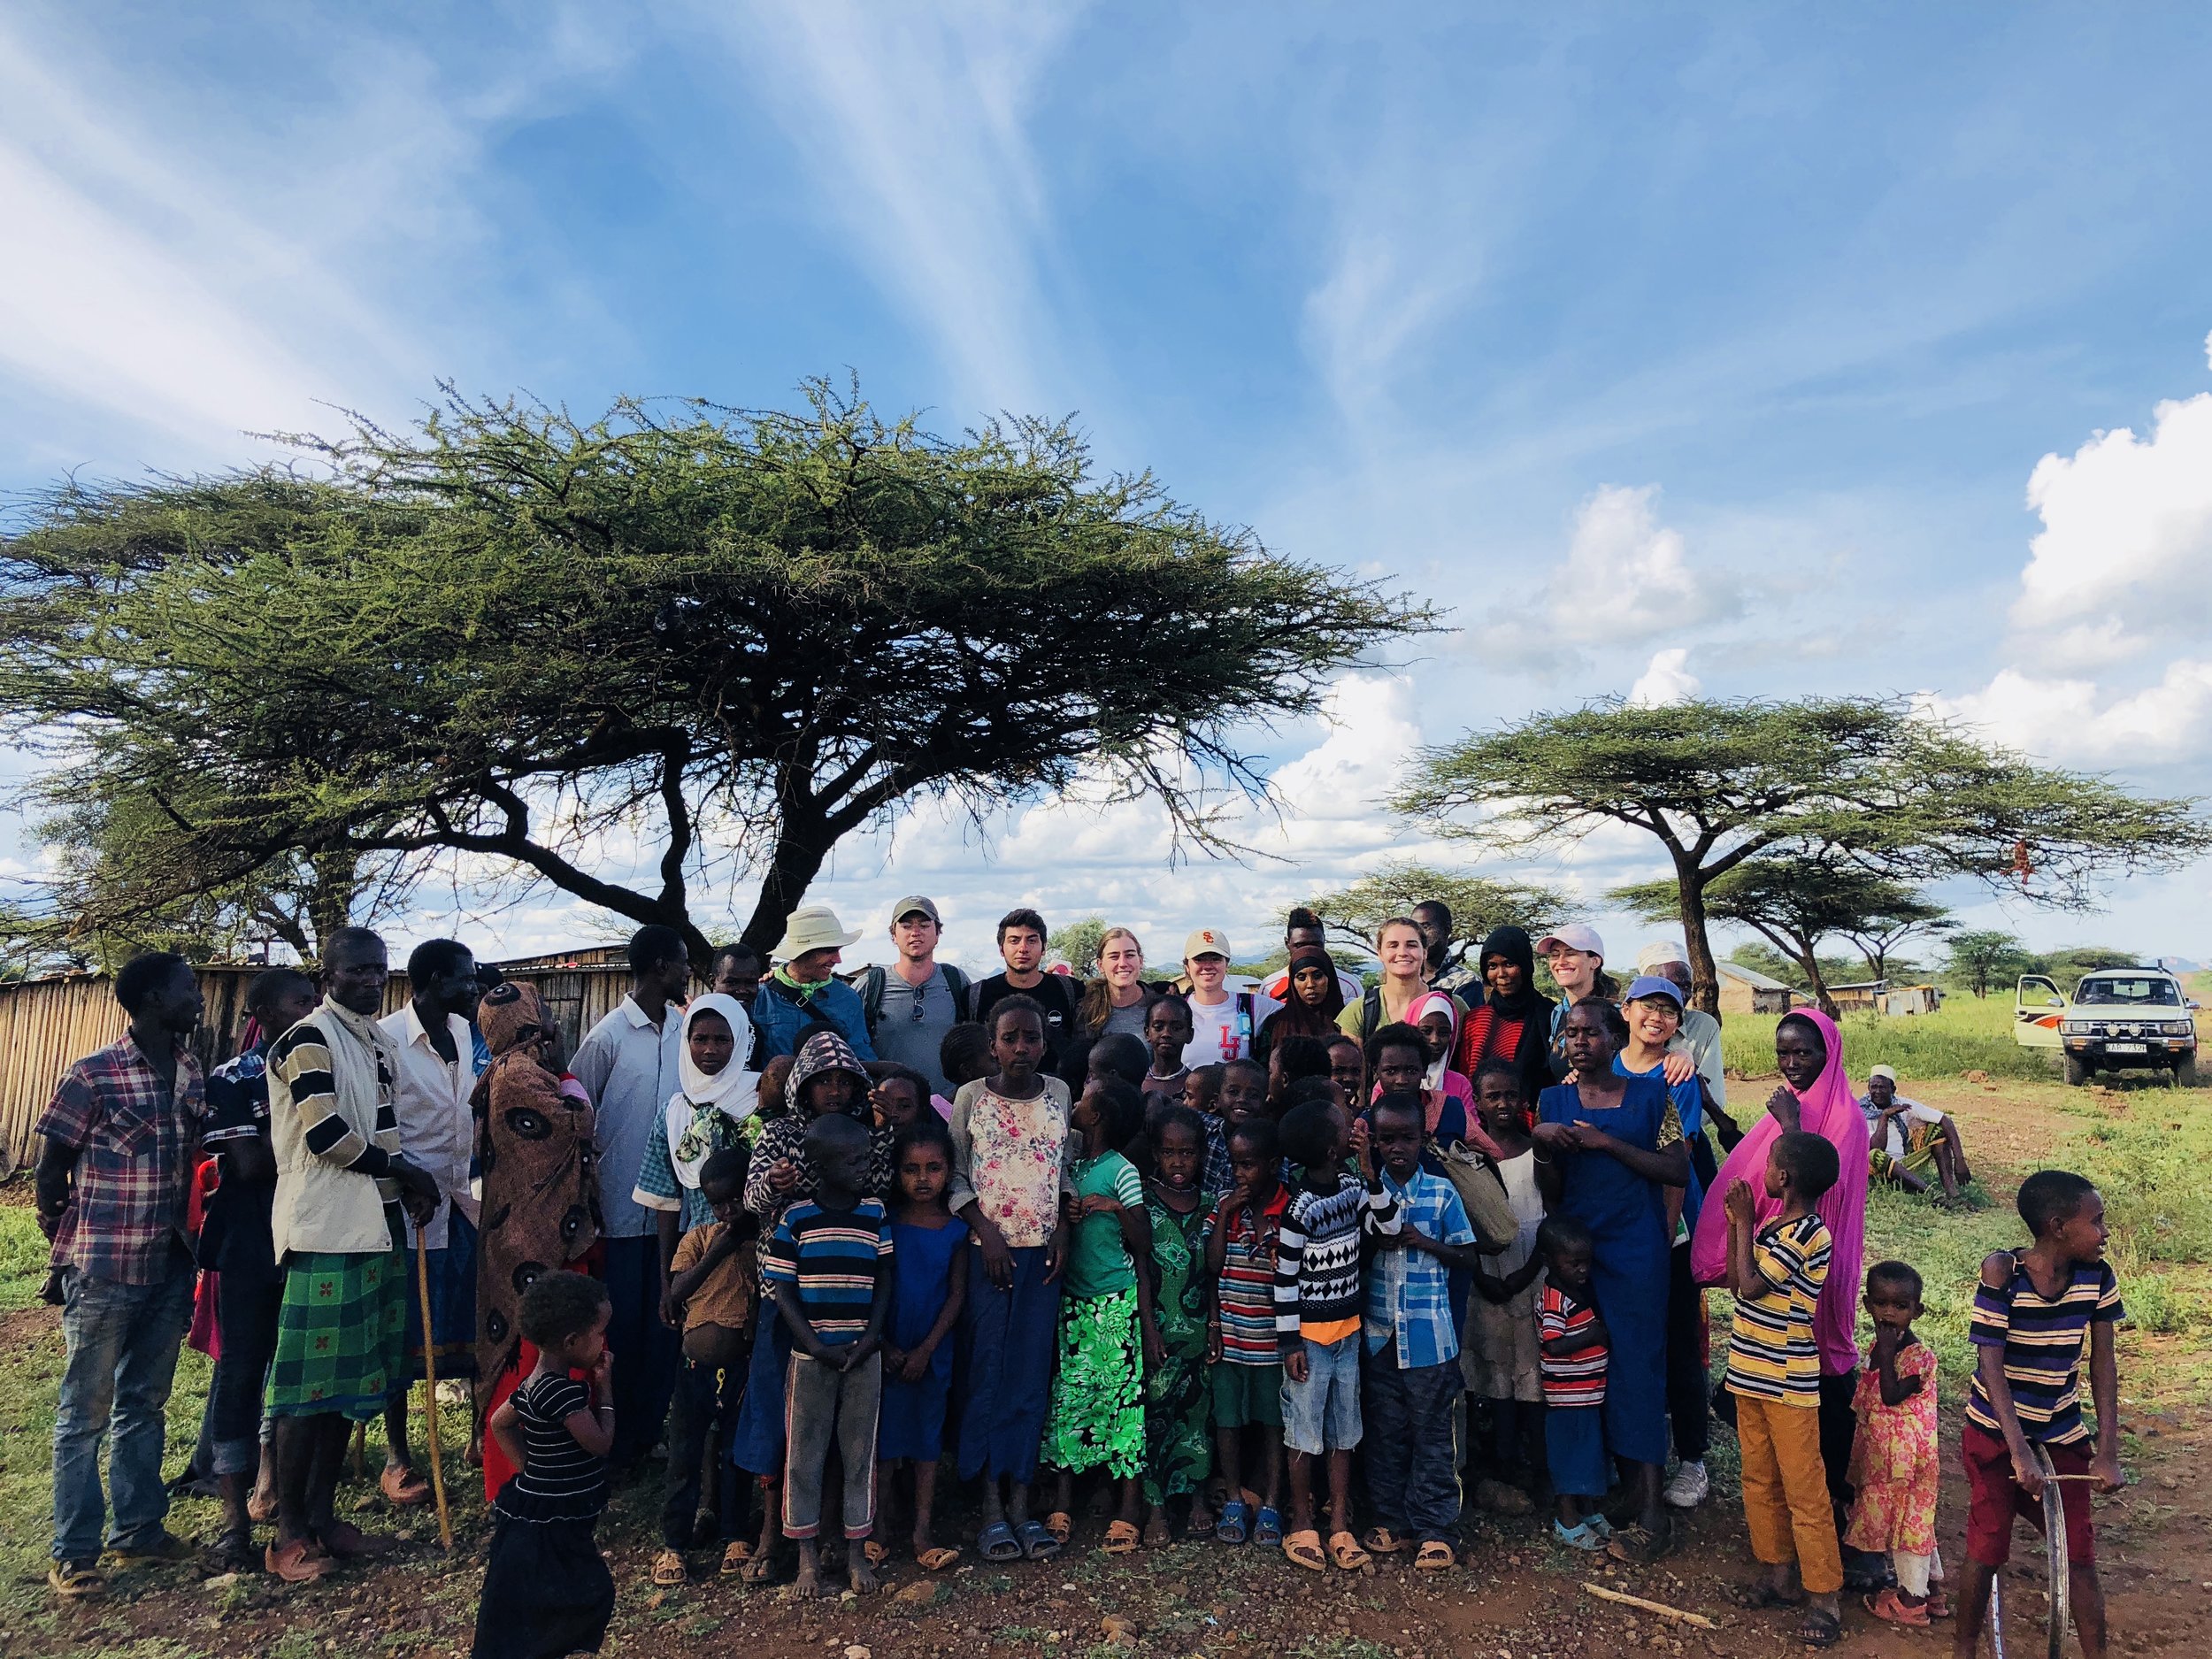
733	1092
1431	1002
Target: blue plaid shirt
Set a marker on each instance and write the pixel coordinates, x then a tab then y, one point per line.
1408	1292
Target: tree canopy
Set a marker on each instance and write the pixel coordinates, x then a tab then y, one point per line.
531	642
1867	781
1478	903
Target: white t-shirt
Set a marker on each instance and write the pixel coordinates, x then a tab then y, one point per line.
1914	1112
1225	1031
1527	1199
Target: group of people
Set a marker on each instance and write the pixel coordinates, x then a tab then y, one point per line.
1206	1245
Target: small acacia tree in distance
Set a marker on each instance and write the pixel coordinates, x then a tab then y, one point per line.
717	638
1866	780
1478	903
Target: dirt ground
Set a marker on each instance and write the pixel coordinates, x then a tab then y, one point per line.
1516	1595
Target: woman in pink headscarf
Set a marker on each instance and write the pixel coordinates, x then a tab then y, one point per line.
1817	1097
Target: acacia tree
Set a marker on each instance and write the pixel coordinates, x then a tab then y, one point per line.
1794	903
1863	781
523	638
1984	955
1478	903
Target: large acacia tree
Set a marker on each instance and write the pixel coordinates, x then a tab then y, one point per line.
1867	781
528	639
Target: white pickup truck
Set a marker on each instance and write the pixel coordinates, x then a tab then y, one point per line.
2118	1019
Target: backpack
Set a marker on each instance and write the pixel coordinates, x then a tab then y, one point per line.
872	981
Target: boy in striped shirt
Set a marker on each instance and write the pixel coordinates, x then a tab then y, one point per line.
1776	1273
2032	1310
1247	1365
1572	1346
829	1269
1318	1307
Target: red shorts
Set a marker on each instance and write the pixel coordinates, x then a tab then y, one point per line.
1996	1497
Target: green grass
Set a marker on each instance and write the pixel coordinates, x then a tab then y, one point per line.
1965	1034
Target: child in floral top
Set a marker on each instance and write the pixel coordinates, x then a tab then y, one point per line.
1893	1460
1009	1163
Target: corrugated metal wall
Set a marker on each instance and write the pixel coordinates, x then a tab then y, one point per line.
45	1025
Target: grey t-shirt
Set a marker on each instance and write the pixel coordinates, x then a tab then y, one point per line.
1130	1019
901	1035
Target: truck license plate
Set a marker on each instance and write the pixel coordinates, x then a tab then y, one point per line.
2127	1048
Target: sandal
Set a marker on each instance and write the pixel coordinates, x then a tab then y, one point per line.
1584	1535
1638	1545
1037	1541
998	1544
1304	1550
760	1569
1121	1539
1436	1556
401	1484
298	1561
668	1570
1345	1551
1268	1529
1060	1524
348	1542
1231	1528
1764	1597
1938	1604
1820	1629
1891	1609
1382	1541
936	1558
874	1553
737	1555
76	1581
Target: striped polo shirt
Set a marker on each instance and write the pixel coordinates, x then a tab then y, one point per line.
1317	1286
830	1260
2042	1343
1772	1352
1577	1378
1245	1300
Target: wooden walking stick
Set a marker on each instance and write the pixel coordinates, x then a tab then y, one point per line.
430	1390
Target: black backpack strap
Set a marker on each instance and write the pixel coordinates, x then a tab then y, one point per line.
962	992
871	996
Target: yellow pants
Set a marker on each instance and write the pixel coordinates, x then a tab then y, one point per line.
1786	1490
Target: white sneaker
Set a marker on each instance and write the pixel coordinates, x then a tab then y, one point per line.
1687	1486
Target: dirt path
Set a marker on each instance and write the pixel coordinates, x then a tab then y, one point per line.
1518	1596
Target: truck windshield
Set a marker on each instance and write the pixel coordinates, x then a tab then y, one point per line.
2131	992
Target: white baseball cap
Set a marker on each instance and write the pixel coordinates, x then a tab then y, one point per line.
1574	936
1652	957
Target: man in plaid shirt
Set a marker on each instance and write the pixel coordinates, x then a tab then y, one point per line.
113	1182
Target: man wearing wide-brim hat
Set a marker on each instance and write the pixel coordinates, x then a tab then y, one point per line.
803	987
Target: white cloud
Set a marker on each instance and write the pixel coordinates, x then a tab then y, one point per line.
2074	721
2126	539
1667	679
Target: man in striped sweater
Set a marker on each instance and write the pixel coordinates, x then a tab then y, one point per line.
1318	1303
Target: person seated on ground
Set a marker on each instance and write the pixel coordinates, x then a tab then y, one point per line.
1910	1140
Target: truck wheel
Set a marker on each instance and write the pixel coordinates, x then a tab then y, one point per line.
2077	1073
2185	1071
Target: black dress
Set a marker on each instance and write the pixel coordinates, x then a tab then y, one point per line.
547	1589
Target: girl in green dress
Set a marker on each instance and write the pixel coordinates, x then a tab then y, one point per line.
1178	1399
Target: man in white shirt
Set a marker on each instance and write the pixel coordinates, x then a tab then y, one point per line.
1906	1138
430	1098
1302	931
628	1064
1222	1022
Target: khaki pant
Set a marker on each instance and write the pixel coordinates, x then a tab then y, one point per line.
1786	1491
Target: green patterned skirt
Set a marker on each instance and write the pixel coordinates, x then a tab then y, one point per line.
1098	1392
341	1334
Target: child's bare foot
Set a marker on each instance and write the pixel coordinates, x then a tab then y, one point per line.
1155	1532
1202	1517
860	1575
808	1585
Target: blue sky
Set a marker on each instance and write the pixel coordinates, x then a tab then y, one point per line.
1756	350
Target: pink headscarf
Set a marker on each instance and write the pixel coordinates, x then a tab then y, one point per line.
1831	1110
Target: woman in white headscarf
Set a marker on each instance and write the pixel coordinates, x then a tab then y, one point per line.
713	1110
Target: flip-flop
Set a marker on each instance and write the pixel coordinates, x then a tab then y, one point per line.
874	1553
736	1555
1345	1551
403	1486
1268	1529
997	1543
1304	1550
759	1569
1232	1527
936	1558
668	1570
1038	1543
1436	1556
1582	1536
1060	1524
1121	1539
1382	1541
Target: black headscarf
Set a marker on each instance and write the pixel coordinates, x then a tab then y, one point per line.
1511	943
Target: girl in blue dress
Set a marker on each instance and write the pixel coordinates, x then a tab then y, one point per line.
1608	1147
929	1287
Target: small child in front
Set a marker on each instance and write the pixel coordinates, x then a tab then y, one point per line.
1895	1465
1317	1320
710	1300
1412	1383
2031	1309
1572	1346
1178	1400
1776	1273
1247	1365
929	1276
1106	1330
829	1264
547	1590
1499	1355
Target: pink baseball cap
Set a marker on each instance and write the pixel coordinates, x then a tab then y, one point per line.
1574	936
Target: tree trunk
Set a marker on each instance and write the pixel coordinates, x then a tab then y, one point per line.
1823	997
1704	977
333	883
801	847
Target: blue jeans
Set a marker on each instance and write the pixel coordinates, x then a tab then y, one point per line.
122	1342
